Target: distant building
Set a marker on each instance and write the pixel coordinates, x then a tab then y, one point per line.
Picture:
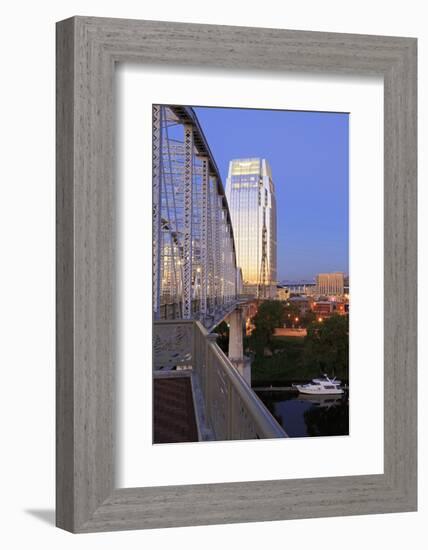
282	293
326	308
300	287
323	309
346	285
310	290
303	303
250	193
341	308
330	284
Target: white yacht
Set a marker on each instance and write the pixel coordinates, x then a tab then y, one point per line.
321	386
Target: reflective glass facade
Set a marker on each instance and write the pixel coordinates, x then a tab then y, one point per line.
250	193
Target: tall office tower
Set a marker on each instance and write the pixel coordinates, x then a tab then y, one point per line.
250	193
330	284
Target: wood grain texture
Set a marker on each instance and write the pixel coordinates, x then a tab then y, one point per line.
87	49
64	277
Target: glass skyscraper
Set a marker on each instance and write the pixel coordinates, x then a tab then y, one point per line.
250	193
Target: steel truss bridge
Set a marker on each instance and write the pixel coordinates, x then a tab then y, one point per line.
196	284
195	275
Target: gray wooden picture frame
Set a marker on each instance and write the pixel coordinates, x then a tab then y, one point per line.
87	50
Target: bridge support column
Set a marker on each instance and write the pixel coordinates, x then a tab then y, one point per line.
236	345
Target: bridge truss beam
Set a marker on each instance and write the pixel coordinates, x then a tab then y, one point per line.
194	262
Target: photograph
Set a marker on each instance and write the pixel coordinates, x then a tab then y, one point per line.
251	286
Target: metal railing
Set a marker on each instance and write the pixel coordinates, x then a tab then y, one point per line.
232	410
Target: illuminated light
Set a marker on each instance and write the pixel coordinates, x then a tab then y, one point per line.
319	319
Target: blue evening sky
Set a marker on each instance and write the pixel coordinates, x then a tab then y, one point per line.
309	157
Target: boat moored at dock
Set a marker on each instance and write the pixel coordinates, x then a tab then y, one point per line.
321	386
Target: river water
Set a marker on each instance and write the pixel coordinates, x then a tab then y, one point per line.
307	415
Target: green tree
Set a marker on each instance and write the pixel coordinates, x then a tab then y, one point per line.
223	336
269	316
291	313
327	346
307	319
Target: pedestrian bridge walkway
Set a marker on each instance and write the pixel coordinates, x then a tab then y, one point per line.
224	405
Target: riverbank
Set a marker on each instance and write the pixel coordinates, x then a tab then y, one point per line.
286	366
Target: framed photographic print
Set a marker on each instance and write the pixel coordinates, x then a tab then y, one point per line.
275	335
236	274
